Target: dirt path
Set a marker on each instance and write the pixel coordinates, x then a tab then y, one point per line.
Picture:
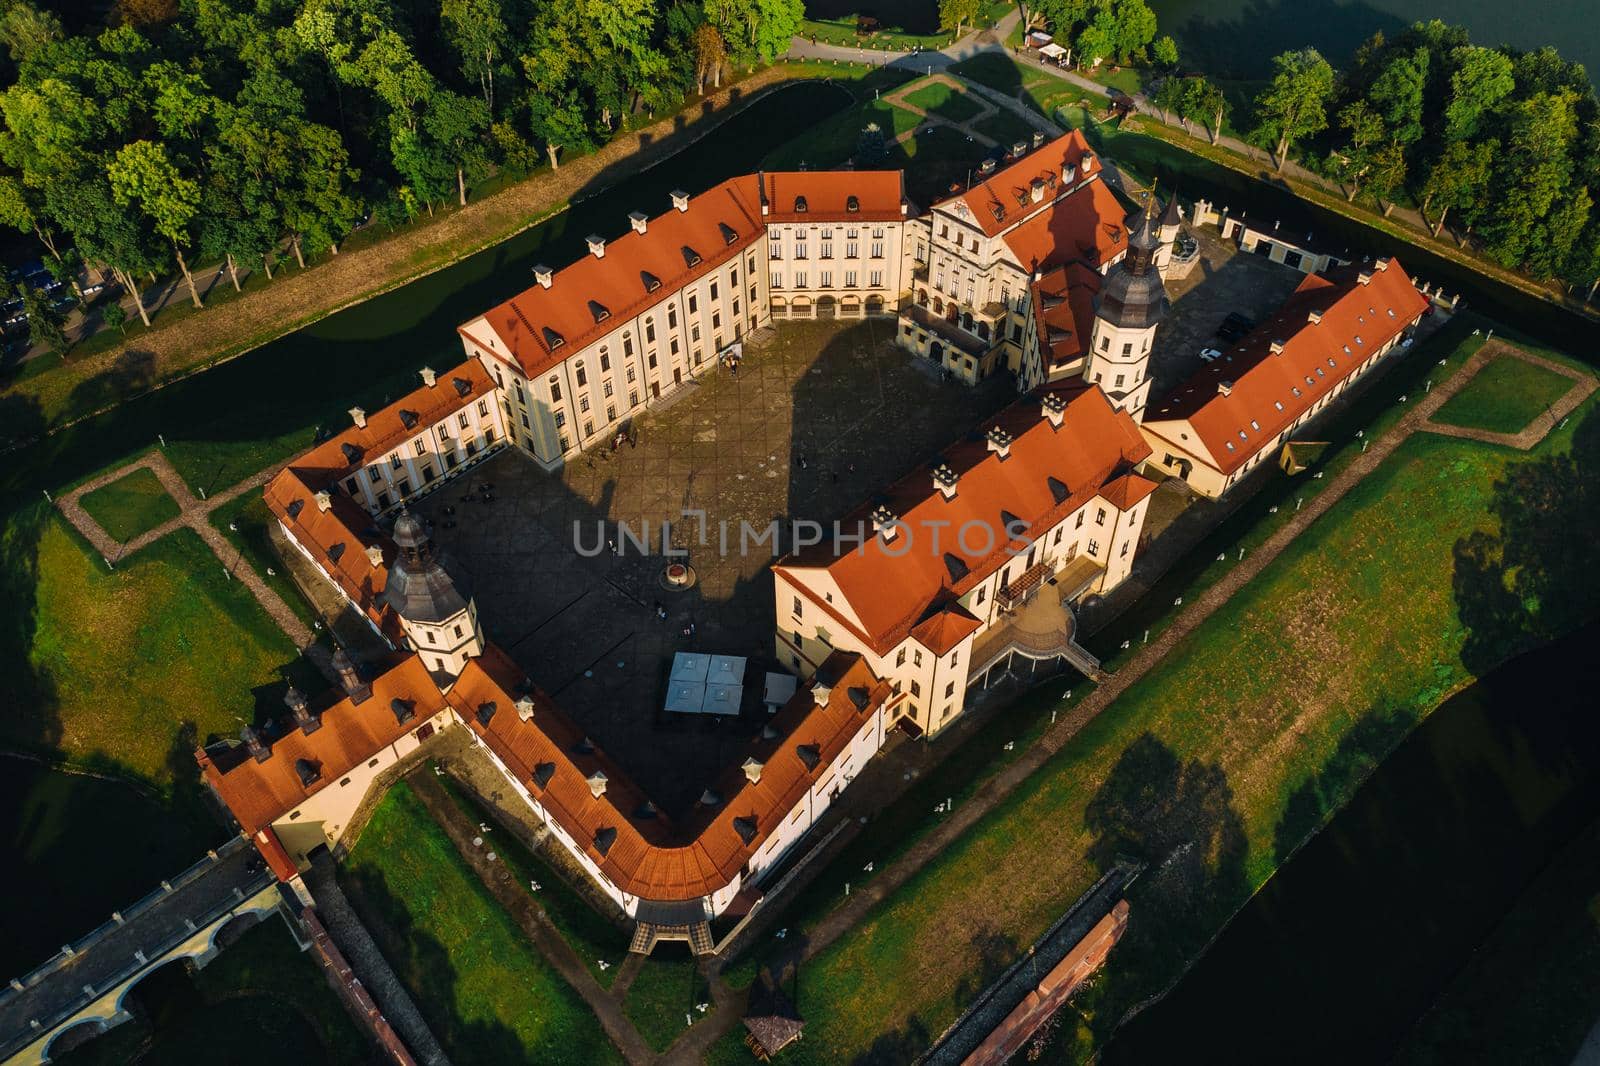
195	514
866	897
898	99
530	918
1546	420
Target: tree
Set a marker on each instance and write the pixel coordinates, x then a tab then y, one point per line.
1388	174
44	321
1456	180
477	31
1537	168
1365	129
1170	97
25	30
710	53
146	12
115	316
871	148
776	23
1294	106
1482	79
456	124
1396	95
955	14
1207	102
143	174
1165	52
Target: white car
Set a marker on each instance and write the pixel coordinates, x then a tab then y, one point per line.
1209	354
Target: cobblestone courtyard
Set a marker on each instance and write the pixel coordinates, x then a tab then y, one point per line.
860	412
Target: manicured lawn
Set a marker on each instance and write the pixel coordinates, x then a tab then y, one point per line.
1191	769
842	31
1527	996
244	521
661	1001
1005	128
938	98
261	1001
835	140
486	992
1505	396
592	937
1126	80
130	505
127	670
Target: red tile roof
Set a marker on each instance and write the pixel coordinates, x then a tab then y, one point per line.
1063	312
337	538
394	425
277	856
1005	196
259	793
1273	389
1049	473
540	327
650	857
879	195
1086	225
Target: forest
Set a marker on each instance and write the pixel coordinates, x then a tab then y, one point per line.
171	132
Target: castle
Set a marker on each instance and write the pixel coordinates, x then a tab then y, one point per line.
1033	269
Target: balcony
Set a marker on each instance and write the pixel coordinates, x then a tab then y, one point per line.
948	332
1040	628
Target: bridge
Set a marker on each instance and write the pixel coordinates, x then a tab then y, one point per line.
82	992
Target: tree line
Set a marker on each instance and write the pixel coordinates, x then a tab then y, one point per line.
1502	143
241	131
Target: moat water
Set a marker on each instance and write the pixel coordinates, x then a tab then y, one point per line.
1344	949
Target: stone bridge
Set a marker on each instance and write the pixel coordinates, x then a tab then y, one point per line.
83	990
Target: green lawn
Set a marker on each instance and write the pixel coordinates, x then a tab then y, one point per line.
1527	996
938	98
592	937
126	670
244	522
661	1001
1126	80
842	31
130	505
261	1001
485	990
832	142
1005	128
1504	396
1192	768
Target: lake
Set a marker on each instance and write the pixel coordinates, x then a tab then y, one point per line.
1238	38
1339	954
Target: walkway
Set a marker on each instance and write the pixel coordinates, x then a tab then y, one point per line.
369	965
886	882
195	514
134	940
1546	420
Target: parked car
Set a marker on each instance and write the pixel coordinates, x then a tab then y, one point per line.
1209	354
17	319
94	290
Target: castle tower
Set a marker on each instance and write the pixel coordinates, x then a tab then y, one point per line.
1130	305
435	609
1171	221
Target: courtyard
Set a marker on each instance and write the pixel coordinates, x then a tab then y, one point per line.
819	416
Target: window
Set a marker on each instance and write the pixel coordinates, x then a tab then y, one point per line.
650	330
561	419
1105	344
1127	349
608	387
900	659
774	251
1118	382
458	631
800	249
605	360
798	612
877	249
1094	547
694	332
461	420
611	412
827	279
950	690
1124	553
627	344
852	250
876	279
827	248
776	281
849	279
651	361
916	688
981	592
674	346
672	317
1079	524
799	279
694	303
916	657
1100	516
483	408
583	403
633	375
583	376
403	488
713	292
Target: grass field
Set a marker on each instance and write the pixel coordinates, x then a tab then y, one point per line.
833	141
261	1001
1504	397
938	98
244	521
1528	994
592	937
1192	774
486	992
126	670
130	505
661	1001
1005	128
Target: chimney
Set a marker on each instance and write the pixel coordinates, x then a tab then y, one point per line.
1224	388
1055	408
359	417
1036	190
1019	147
639	220
999	442
944	479
543	275
820	693
1365	277
1086	165
1381	264
324	499
259	751
1276	347
986	167
597	783
525	707
597	245
308	722
350	679
374	555
1315	318
1038	138
428	376
680	200
752	768
884	523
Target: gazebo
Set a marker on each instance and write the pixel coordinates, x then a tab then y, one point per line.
772	1024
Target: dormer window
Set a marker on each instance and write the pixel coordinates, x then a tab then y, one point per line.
552	339
727	231
651	282
599	310
852	204
408	418
690	256
800	205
